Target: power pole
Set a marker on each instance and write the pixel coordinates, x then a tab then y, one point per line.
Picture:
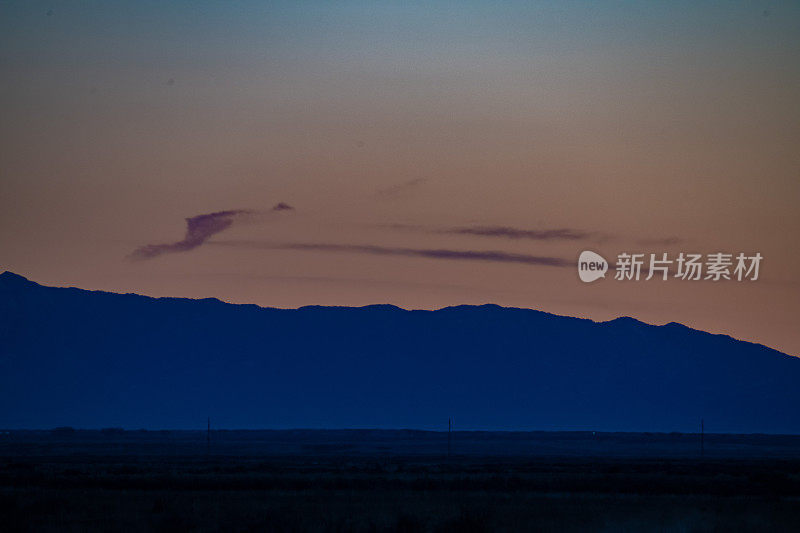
208	436
449	427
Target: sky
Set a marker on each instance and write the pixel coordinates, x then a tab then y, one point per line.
419	154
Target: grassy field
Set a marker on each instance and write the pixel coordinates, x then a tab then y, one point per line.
396	481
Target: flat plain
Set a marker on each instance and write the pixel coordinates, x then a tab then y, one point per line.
396	480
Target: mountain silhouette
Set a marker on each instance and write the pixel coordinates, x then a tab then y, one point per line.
95	359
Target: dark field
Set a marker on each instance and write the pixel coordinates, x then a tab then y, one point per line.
396	481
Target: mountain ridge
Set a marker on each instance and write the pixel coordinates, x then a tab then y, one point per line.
12	275
98	359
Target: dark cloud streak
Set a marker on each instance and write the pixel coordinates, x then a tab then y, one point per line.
516	233
370	249
281	206
400	188
508	232
199	229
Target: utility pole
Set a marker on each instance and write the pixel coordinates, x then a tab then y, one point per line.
208	436
449	427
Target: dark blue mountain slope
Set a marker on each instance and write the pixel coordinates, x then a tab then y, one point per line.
95	359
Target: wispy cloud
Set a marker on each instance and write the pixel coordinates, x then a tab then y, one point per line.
503	232
429	253
548	234
517	233
199	229
400	189
282	206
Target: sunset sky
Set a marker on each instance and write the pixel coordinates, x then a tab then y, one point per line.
418	154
